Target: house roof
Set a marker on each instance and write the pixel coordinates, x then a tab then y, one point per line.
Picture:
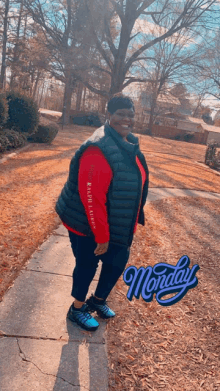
164	98
205	126
168	98
188	125
174	115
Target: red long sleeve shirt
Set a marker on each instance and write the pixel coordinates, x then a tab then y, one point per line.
95	176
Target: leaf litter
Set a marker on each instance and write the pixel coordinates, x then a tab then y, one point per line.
173	348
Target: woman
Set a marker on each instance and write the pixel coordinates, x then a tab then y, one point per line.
100	205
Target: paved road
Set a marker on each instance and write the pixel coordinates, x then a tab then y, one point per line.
40	350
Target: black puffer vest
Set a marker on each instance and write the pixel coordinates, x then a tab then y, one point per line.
124	195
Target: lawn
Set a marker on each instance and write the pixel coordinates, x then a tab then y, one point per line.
177	347
173	348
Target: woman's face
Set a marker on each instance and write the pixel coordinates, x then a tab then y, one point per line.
122	120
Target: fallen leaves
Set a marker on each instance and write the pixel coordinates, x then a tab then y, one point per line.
173	348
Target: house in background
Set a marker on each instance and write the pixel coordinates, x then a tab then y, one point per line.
191	124
164	101
214	131
170	113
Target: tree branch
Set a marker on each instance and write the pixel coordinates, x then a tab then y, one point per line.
93	89
68	25
145	5
216	96
174	28
100	68
135	80
133	36
98	43
109	39
118	9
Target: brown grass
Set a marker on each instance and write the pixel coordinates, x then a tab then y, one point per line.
173	348
178	347
30	184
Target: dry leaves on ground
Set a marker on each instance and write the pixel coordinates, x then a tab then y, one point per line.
32	180
174	348
30	184
178	347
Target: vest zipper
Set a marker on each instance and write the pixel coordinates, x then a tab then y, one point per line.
137	203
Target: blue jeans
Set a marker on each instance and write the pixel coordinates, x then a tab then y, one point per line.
113	265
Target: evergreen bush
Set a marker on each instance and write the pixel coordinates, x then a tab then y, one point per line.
3	109
88	119
4	143
16	139
44	134
22	113
10	139
188	136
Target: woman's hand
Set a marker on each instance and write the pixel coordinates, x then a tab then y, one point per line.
101	248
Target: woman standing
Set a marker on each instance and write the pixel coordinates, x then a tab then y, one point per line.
100	205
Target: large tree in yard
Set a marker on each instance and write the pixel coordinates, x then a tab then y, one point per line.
63	24
120	54
120	31
169	61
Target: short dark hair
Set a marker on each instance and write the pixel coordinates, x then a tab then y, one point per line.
119	101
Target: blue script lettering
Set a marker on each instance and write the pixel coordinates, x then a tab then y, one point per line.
162	280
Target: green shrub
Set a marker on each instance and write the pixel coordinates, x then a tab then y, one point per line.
44	134
177	137
188	136
3	109
22	113
10	139
4	143
88	119
16	139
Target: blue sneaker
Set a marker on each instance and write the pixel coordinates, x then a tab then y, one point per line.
82	317
102	309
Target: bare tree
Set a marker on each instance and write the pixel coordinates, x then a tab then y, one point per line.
207	67
118	54
169	61
16	49
63	24
76	31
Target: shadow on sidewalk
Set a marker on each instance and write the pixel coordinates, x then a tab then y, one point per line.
83	364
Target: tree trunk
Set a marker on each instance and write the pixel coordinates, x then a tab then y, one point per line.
79	96
25	25
69	87
103	104
5	36
42	91
152	110
116	85
36	83
16	52
84	98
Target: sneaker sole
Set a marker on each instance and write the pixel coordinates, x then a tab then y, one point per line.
100	314
80	324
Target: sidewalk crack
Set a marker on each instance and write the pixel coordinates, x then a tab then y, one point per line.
60	339
45	272
24	358
57	234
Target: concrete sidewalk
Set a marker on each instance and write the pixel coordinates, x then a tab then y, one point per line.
40	349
